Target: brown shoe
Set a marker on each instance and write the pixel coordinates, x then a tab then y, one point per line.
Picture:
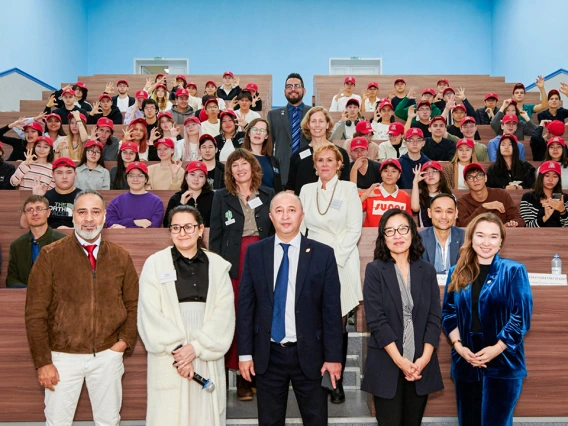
244	391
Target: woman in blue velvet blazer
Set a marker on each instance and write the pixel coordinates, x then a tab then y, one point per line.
486	313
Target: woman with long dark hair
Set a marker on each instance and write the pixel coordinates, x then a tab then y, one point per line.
91	172
402	307
428	182
509	172
128	153
556	151
453	169
37	167
229	137
486	313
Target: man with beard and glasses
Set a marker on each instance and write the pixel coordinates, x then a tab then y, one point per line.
287	136
442	241
81	309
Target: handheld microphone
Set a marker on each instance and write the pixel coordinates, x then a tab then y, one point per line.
206	384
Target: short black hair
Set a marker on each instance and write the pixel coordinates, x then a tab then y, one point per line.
416	249
150	101
244	94
443	195
294	75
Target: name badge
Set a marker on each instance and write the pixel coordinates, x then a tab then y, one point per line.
336	204
305	153
255	202
229	222
167	277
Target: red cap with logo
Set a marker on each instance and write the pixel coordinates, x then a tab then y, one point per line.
161	86
385	103
91	143
413	131
423	103
467	120
207	137
165	141
399	80
391	162
550	166
459	106
373	84
181	77
141	94
510	117
509	136
437	118
196	165
210	82
81	85
349	80
519	86
165	114
122	81
448	89
159	75
491	95
556	139
137	165
364	127
443	80
105	122
228	112
251	87
431	164
191	84
45	139
129	145
229	73
52	115
105	95
556	127
429	92
472	166
396	129
138	121
182	92
81	116
190	120
211	101
36	126
553	92
359	142
68	92
63	162
465	141
351	101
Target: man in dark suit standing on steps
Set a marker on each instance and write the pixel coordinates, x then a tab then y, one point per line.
287	136
289	324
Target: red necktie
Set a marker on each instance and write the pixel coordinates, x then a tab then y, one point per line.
90	249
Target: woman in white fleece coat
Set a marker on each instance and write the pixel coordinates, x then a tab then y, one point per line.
171	315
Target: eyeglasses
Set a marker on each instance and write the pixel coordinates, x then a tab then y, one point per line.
431	172
94	151
213	107
468	126
150	108
424	110
135	177
189	228
293	86
257	130
31	210
402	230
477	176
414	141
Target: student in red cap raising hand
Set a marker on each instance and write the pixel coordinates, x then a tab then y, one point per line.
339	102
36	169
428	182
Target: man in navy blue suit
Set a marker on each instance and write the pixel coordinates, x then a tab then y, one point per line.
289	318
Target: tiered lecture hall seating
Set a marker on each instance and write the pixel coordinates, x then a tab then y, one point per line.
546	343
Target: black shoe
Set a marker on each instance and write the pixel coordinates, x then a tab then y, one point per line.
337	395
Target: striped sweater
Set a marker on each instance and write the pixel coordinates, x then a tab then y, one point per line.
25	176
533	212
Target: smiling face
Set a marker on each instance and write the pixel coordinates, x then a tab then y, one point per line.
318	125
36	213
555	151
327	165
294	90
468	130
165	153
241	171
259	133
182	102
210	89
186	241
398	244
228	124
486	241
443	213
89	216
390	175
195	180
53	124
286	214
136	180
42	150
128	156
64	178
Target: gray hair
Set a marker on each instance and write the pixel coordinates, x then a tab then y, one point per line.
284	193
89	192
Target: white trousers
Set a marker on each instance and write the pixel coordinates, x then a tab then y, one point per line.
103	373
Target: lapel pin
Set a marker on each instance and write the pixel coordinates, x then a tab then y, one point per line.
308	250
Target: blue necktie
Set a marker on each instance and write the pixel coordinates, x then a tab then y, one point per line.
35	250
295	129
279	311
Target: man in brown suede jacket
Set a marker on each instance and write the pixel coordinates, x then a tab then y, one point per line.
81	309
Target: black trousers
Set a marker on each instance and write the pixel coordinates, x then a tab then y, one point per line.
405	409
272	390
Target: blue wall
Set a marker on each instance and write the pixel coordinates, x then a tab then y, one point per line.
45	38
279	37
528	38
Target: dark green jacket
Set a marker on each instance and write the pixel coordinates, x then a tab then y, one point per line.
401	110
20	263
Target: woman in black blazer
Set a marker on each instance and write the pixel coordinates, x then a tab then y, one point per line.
402	305
239	218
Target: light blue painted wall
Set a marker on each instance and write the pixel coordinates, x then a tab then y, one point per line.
528	38
279	37
45	38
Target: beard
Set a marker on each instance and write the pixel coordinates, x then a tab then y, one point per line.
89	235
294	98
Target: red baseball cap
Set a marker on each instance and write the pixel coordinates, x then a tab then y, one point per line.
553	92
518	86
431	164
105	95
122	81
138	120
385	104
105	122
161	86
129	145
159	75
191	119
373	84
81	116
165	114
550	166
437	118
182	92
465	141
391	162
509	136
443	80
81	85
359	142
228	112
210	82
353	101
36	126
472	166
191	84
68	92
510	117
45	139
349	80
448	89
229	73
165	141
91	143
399	80
467	120
251	87
429	91
211	101
556	139
422	103
63	162
196	165
203	115
52	115
207	137
396	129
491	95
556	127
459	106
413	131
137	165
182	77
141	94
364	127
